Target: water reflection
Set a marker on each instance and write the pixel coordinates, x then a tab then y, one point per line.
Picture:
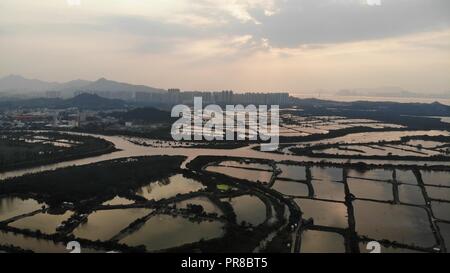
252	165
372	137
249	209
251	175
438	193
321	242
292	172
411	194
406	177
291	188
118	201
436	178
441	210
329	190
371	189
167	231
445	231
386	249
38	245
128	149
44	222
169	187
377	174
208	206
326	174
404	224
13	206
105	224
29	243
324	213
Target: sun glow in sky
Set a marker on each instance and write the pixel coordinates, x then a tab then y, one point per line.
244	45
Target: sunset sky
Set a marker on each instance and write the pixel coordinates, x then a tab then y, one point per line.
244	45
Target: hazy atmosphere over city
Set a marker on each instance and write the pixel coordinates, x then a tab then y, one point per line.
299	46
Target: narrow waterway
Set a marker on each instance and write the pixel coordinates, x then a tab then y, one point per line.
128	149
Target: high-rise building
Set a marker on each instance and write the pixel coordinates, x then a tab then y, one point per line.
53	94
174	95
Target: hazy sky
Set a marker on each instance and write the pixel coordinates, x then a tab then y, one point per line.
244	45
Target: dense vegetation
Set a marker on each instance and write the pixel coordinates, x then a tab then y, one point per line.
411	109
82	101
147	114
75	184
15	153
413	115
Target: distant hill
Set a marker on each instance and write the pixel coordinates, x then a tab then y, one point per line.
73	85
388	92
389	108
146	114
88	101
417	116
104	85
17	85
83	101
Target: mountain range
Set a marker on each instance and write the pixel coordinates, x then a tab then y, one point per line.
17	85
82	101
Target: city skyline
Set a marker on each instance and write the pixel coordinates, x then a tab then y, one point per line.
18	86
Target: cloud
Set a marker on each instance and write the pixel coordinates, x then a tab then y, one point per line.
294	44
282	23
334	21
237	9
298	23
